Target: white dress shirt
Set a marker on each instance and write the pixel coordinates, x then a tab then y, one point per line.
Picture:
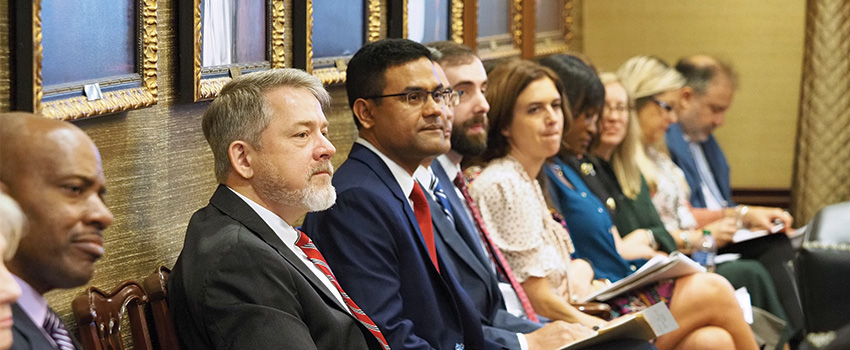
289	236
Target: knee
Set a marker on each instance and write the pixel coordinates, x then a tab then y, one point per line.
708	338
706	286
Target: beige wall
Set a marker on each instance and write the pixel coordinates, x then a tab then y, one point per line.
763	40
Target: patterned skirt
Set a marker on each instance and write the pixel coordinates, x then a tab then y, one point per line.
642	298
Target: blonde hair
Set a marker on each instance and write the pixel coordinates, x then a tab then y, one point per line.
12	222
628	156
644	77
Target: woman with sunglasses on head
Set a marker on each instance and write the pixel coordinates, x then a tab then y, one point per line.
526	121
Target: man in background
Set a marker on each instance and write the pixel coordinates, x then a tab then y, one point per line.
707	96
53	170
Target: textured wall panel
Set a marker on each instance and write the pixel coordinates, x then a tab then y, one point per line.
822	168
157	165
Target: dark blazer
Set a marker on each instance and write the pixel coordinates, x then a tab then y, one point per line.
372	240
681	155
463	255
237	286
29	336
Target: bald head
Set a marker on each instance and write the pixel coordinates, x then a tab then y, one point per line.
53	170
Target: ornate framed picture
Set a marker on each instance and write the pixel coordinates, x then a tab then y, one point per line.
499	28
552	32
220	39
321	46
66	68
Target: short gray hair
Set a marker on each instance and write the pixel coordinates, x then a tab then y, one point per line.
12	223
241	111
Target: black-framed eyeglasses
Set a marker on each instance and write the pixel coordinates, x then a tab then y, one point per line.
667	107
445	96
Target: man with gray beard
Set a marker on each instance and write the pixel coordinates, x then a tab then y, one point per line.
246	279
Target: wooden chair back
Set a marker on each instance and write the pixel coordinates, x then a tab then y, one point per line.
99	316
155	287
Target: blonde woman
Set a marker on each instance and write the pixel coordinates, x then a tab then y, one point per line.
649	80
11	229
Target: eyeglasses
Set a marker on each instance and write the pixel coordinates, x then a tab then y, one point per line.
667	107
446	97
609	110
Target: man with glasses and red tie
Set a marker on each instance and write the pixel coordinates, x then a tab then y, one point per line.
246	279
379	236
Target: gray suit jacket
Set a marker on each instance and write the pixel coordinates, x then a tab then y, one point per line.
29	336
464	257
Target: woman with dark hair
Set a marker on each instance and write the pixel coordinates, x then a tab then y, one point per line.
526	122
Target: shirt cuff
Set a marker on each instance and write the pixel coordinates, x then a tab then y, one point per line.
523	344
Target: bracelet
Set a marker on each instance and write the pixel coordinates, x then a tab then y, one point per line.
686	238
651	237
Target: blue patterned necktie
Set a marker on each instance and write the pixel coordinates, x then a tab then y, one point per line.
57	331
441	197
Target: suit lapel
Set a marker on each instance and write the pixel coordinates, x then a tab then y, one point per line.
374	162
443	229
231	205
24	329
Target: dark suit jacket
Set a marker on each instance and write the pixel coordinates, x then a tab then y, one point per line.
681	155
237	286
372	240
463	255
29	336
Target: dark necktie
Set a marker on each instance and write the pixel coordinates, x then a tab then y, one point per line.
495	253
57	331
306	245
423	216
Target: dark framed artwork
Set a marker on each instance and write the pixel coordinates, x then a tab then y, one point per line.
499	28
321	46
552	26
66	68
221	39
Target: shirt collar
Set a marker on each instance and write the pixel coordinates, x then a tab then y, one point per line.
32	302
402	177
425	176
281	228
451	168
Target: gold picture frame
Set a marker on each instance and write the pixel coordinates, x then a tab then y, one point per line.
454	20
198	82
503	45
81	99
332	69
550	42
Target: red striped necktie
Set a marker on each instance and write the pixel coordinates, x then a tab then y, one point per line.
495	253
306	245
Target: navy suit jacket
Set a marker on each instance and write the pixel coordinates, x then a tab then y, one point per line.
372	240
682	156
463	255
26	335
